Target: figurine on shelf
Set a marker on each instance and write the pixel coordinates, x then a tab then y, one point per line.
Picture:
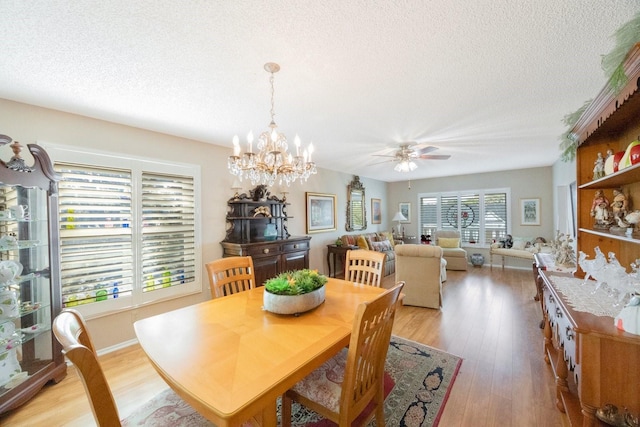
562	248
600	209
260	193
598	168
620	204
633	219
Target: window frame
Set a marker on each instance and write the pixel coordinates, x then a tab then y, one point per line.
460	194
138	166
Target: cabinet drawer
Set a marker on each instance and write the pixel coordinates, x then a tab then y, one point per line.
263	250
295	246
563	331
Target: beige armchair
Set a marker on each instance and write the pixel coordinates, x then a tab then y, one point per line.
449	241
419	267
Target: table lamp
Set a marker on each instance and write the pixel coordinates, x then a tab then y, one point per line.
399	217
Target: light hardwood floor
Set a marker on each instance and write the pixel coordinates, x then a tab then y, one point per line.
489	318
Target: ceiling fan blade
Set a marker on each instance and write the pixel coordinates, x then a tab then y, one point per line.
434	156
425	150
384	155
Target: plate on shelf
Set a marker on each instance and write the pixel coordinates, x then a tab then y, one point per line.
34	329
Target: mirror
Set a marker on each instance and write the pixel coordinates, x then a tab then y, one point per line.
356	210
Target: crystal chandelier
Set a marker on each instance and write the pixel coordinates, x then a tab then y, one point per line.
272	162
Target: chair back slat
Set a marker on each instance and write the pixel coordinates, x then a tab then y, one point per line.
364	267
230	275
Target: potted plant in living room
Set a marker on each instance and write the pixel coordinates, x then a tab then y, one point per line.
294	292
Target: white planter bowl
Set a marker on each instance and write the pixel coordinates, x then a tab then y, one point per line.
293	304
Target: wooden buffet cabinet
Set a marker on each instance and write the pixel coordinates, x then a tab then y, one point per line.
247	220
595	363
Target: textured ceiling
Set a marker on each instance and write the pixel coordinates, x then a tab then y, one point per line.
487	82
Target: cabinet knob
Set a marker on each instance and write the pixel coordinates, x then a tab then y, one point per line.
558	312
265	251
295	246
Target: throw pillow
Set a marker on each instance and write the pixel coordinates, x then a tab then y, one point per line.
382	246
448	242
386	235
370	240
362	243
519	243
349	240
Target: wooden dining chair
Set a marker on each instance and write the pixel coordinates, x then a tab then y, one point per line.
359	392
364	267
230	275
71	331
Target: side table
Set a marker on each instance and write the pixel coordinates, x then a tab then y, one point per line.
336	253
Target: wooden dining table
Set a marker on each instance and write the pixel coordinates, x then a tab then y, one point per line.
230	359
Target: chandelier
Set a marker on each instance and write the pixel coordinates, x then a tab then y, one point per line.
271	162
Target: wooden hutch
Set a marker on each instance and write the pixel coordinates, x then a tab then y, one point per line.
258	228
595	363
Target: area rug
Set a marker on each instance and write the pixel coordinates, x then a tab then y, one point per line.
417	384
422	378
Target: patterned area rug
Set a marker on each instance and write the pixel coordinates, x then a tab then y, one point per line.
422	380
419	379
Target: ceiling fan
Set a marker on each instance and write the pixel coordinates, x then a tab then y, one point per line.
407	152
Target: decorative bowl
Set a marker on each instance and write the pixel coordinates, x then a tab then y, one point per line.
293	304
294	292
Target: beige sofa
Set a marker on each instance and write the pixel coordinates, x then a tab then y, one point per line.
449	241
381	241
419	266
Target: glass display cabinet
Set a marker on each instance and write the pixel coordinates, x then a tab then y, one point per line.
30	356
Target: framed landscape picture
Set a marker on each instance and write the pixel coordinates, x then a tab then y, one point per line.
376	211
530	211
321	212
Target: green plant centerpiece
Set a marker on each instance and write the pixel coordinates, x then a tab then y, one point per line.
294	292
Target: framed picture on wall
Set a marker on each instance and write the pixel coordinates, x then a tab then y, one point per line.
405	210
529	211
321	212
376	211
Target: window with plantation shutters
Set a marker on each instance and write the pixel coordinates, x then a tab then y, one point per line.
128	230
168	224
481	216
428	215
495	216
96	253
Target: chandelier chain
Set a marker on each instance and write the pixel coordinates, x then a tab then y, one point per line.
273	108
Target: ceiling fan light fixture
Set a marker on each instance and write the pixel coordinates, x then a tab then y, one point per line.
405	166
